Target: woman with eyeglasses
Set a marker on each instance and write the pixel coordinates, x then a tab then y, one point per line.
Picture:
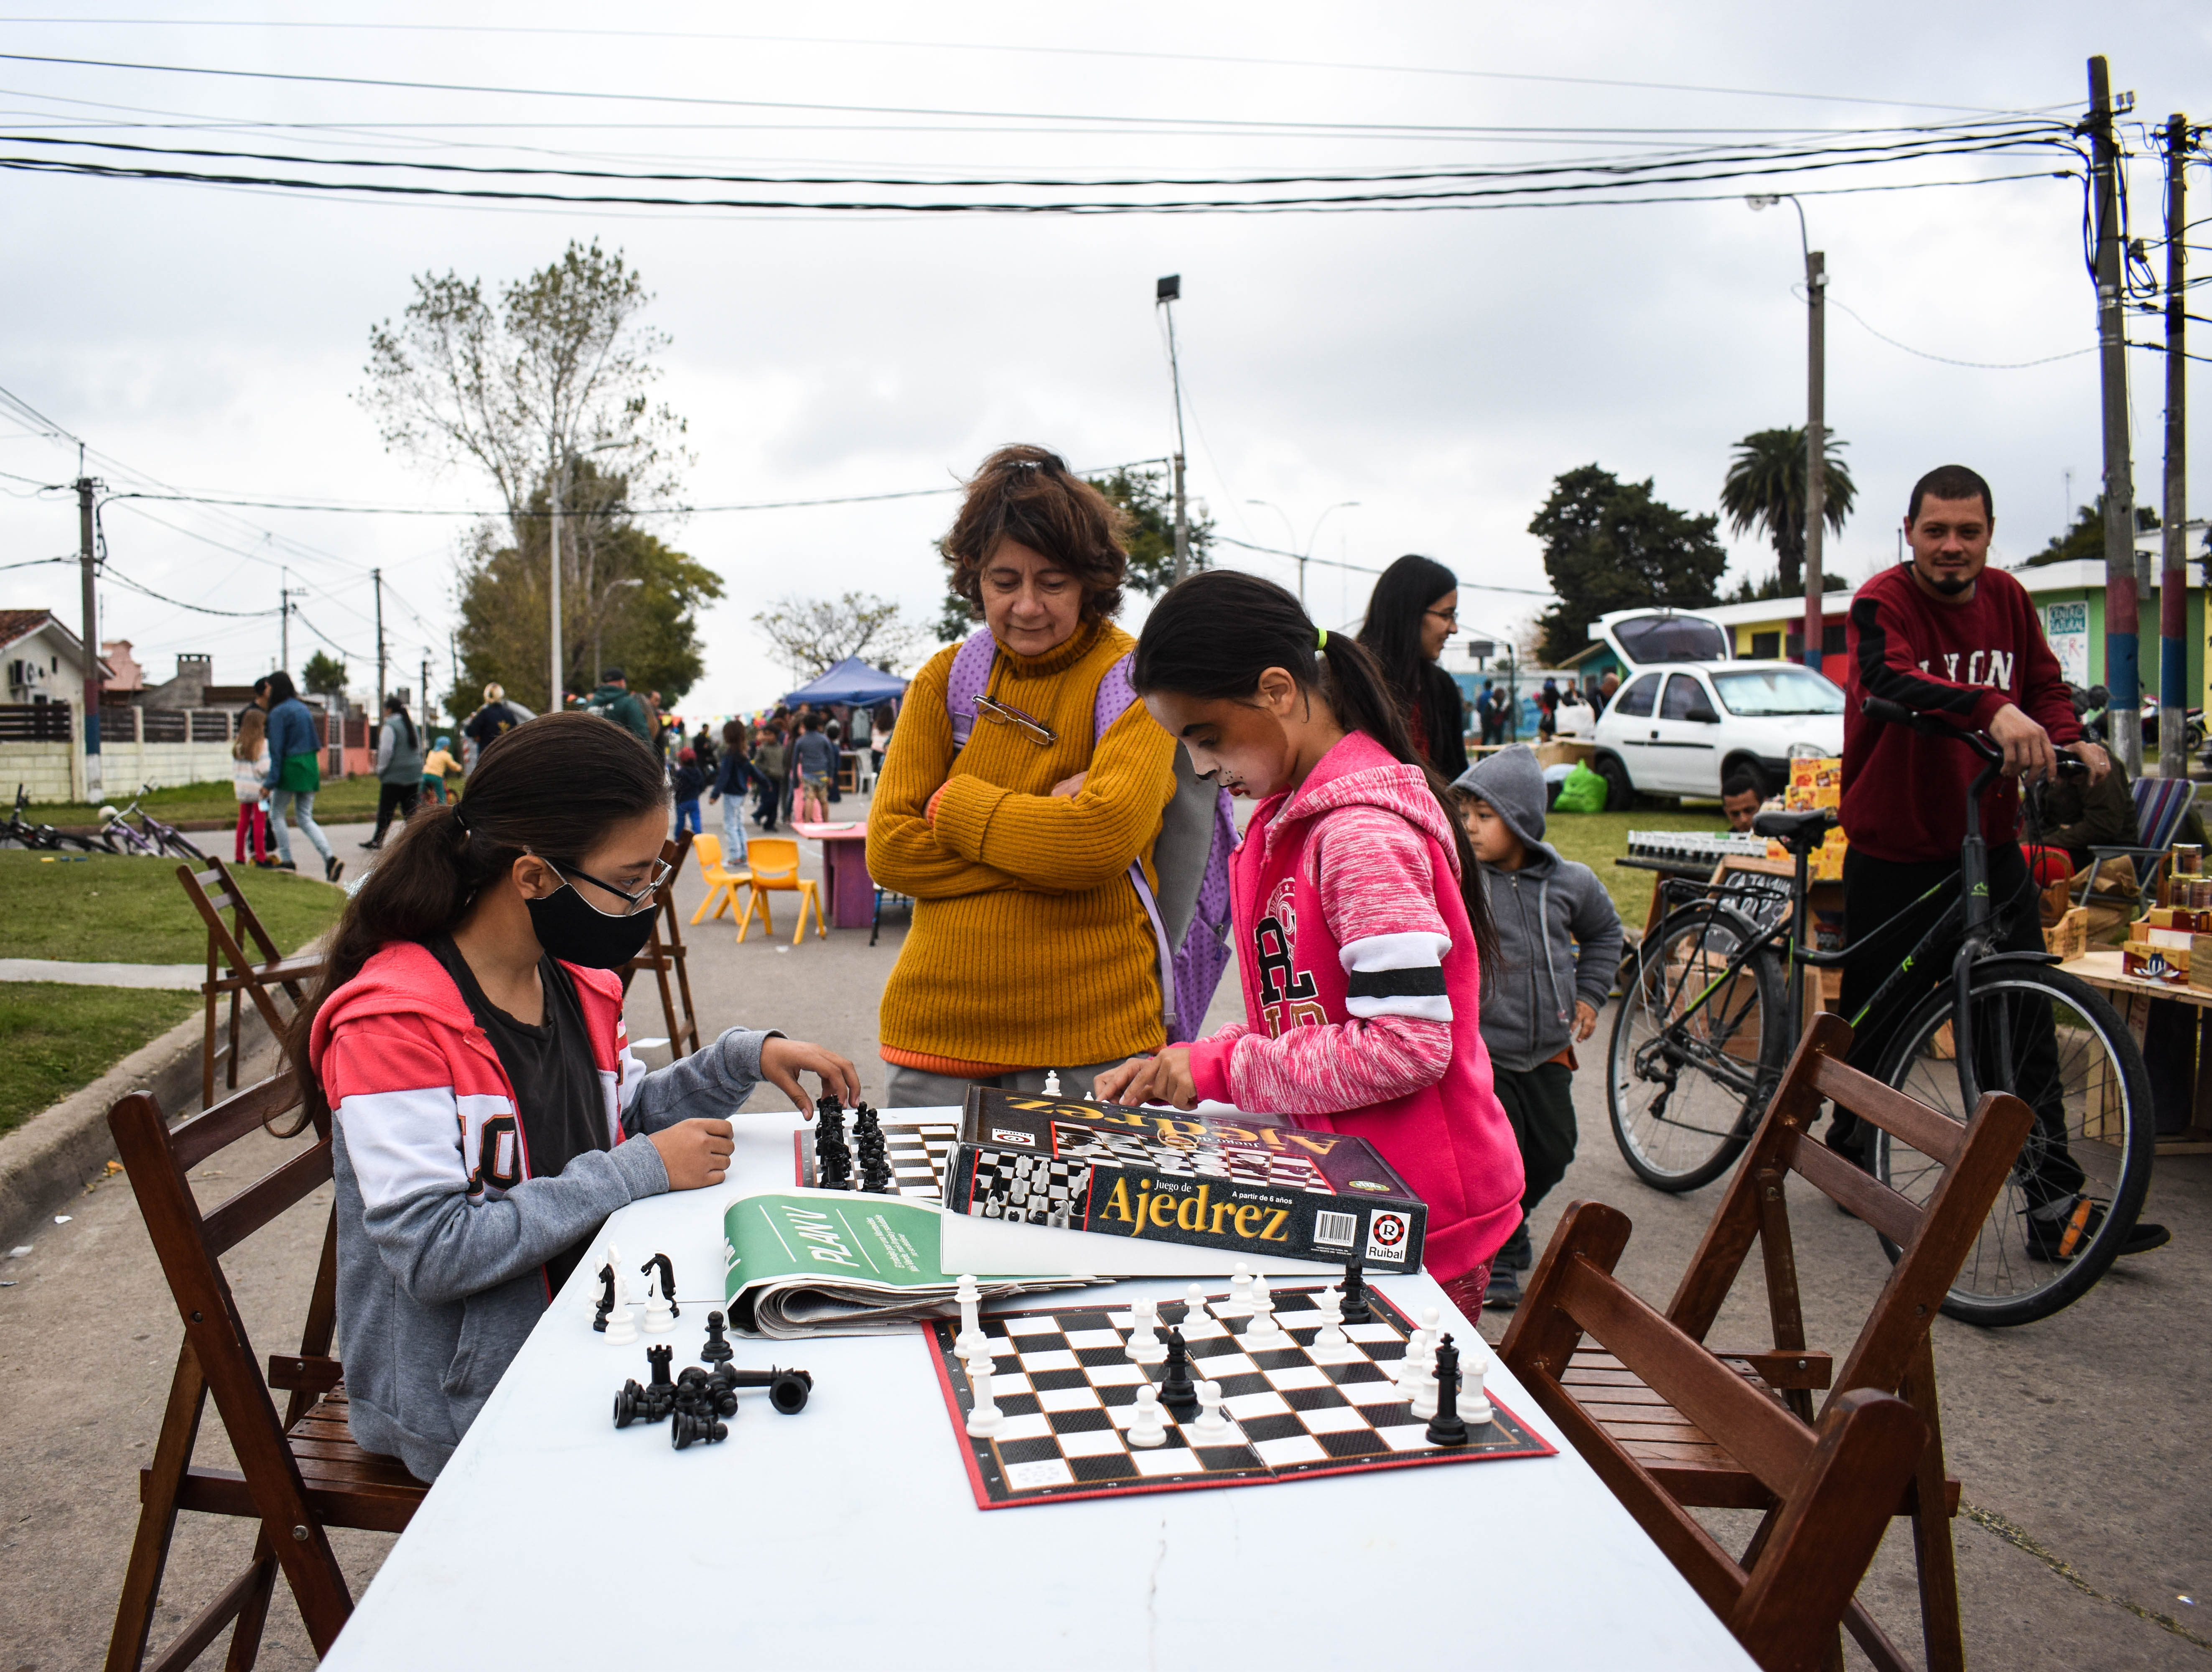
1414	609
468	1042
1031	950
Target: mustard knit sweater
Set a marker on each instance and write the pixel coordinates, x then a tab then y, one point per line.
1030	948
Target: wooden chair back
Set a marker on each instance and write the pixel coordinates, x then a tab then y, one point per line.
1835	1487
233	972
664	954
298	1473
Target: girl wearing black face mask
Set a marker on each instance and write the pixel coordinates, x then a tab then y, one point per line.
468	1042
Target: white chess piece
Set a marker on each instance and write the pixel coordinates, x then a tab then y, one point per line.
983	1413
1211	1424
1474	1409
1197	1321
1149	1427
1146	1346
1263	1333
971	1298
1240	1289
659	1316
1399	1370
622	1322
1052	1082
1331	1333
1421	1389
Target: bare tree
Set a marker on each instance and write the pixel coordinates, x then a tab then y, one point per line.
811	634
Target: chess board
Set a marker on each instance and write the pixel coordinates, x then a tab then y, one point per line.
1201	1160
915	1149
1064	1379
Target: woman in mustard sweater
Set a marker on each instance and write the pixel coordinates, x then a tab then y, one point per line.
1031	949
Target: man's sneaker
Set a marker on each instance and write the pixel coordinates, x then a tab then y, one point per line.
2061	1239
333	869
373	847
1505	1292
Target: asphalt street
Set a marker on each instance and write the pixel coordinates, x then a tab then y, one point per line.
2082	1543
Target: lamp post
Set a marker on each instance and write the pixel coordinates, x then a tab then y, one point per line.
1302	552
1166	294
1816	472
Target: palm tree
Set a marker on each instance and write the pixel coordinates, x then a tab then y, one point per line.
1765	488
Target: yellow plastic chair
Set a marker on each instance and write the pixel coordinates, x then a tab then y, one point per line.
722	884
775	870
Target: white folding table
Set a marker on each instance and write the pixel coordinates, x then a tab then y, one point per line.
848	1535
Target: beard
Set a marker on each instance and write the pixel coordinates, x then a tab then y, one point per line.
1950	585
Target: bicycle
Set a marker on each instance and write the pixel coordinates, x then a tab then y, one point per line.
43	837
150	838
1706	1025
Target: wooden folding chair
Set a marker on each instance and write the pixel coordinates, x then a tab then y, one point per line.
774	861
722	883
1833	1489
1892	1354
663	954
297	1475
232	972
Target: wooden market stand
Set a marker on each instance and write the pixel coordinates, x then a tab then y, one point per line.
2177	1045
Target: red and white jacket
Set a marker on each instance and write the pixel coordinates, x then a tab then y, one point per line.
1363	993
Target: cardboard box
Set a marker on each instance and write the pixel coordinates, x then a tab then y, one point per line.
2148	962
1182	1178
2200	962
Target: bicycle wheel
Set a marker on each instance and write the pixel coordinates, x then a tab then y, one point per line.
1695	1052
2094	1135
175	843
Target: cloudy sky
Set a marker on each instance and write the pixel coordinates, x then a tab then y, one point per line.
1438	367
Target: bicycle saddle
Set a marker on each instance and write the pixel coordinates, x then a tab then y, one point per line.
1799	832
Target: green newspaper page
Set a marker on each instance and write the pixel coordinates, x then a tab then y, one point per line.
831	1238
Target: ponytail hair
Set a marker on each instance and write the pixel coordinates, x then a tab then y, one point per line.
554	786
1212	636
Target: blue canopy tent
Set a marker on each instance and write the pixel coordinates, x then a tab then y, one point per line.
852	681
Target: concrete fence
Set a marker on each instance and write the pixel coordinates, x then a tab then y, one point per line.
42	750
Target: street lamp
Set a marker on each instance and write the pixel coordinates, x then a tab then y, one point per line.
1305	551
561	454
1816	440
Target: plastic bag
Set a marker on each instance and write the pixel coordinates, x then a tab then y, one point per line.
1583	791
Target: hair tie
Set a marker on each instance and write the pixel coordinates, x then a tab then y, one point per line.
461	821
1324	644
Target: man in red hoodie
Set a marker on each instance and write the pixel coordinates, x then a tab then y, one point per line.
1948	636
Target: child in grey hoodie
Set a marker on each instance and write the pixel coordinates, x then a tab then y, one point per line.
1559	939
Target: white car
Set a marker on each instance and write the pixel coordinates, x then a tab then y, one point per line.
1688	727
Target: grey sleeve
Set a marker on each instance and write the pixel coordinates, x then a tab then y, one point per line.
441	1247
1598	938
713	1082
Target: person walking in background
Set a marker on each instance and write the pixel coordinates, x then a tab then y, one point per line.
1414	609
815	760
398	768
732	779
614	700
834	729
437	766
1559	944
880	735
250	755
703	747
495	717
1606	688
768	767
689	786
295	773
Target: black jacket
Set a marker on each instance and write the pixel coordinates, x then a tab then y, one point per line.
1444	720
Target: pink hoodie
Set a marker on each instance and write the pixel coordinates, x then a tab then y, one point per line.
1363	993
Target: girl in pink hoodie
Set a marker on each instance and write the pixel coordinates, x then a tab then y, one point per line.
1359	919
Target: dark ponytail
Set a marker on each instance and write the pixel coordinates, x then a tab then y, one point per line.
393	706
1212	636
554	786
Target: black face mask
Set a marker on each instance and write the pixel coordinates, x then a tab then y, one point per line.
569	926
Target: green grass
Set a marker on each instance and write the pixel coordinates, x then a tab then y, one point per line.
340	801
60	1038
1597	839
111	909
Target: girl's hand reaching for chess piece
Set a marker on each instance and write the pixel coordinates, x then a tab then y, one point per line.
782	1060
696	1153
1163	1078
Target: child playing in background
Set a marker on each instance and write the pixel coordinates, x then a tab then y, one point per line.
1361	935
1559	941
435	766
249	754
689	785
815	758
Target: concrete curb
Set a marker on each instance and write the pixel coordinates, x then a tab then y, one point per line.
61	1149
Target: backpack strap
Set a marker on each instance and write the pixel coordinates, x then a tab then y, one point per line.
969	679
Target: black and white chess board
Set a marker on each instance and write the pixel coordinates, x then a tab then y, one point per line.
1068	1387
1201	1160
915	1151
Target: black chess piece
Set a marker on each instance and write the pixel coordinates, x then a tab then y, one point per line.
718	1351
787	1389
660	1358
606	1298
1446	1428
833	1160
628	1403
865	1124
1356	1309
1177	1391
701	1429
667	1282
875	1168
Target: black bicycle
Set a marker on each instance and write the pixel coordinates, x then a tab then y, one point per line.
1708	1019
21	831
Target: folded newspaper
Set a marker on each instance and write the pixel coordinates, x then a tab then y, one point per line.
836	1263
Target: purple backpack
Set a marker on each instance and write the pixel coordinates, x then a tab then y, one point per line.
1190	914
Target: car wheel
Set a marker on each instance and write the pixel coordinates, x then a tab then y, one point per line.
1620	793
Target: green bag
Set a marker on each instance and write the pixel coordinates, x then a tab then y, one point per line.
302	773
1583	791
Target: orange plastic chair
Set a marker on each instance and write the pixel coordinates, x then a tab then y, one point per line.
775	862
722	884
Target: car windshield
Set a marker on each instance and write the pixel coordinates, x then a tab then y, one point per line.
1649	639
1778	690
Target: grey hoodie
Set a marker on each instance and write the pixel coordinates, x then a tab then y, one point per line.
1559	935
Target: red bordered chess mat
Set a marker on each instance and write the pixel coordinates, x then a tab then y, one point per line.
1065	1380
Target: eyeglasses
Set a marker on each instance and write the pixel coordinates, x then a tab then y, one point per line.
632	903
1004	714
1450	617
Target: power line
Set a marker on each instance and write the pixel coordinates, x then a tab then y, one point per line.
1978	365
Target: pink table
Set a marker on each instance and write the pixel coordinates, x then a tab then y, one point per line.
851	892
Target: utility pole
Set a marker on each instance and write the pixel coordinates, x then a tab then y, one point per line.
454	651
1816	450
286	591
376	576
553	578
94	782
2122	626
422	695
2173	591
1165	295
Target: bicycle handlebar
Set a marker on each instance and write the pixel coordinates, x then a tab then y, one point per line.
1896	714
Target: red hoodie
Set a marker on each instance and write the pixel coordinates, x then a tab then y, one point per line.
1363	993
